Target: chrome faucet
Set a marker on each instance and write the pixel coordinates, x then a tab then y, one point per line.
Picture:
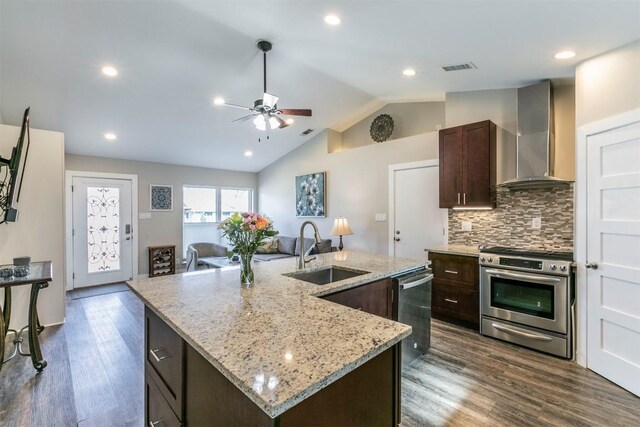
301	258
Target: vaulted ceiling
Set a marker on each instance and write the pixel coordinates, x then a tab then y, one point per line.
174	57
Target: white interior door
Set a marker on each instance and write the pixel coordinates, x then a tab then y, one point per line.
419	223
613	255
102	231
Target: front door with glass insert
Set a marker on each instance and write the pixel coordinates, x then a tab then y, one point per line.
102	231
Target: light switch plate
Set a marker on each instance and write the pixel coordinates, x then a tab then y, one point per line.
466	226
381	217
536	223
144	215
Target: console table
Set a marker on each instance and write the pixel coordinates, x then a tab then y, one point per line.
39	278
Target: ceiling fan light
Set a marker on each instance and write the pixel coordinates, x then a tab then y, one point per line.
274	123
260	122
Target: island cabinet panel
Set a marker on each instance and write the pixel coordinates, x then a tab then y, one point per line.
164	360
468	165
367	396
158	412
375	298
455	289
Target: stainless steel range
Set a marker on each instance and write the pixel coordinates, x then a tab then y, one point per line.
527	297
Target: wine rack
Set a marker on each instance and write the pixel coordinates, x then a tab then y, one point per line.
162	260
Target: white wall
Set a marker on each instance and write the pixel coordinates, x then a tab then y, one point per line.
357	186
39	230
163	227
608	84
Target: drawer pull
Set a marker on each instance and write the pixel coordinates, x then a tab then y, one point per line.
451	300
155	423
158	358
451	272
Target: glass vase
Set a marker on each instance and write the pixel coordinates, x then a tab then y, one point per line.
246	272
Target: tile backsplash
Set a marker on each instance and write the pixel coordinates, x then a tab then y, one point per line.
510	223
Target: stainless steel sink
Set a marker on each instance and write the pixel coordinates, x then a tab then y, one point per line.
326	275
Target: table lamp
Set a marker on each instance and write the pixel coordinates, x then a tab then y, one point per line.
341	228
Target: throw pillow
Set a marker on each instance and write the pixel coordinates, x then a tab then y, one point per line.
268	247
287	245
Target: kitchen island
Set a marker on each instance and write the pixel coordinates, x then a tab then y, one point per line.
273	353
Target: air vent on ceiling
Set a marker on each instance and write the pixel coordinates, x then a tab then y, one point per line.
458	67
306	132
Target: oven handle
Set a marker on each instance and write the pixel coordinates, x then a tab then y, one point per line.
522	334
505	275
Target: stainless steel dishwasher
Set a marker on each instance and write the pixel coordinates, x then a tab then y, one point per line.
414	309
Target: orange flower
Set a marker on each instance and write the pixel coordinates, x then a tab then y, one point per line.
261	223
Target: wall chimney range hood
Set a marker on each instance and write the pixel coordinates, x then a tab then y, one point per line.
535	152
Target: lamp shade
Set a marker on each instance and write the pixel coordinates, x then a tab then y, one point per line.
341	227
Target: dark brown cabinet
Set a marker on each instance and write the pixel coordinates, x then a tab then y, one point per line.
456	296
375	298
468	165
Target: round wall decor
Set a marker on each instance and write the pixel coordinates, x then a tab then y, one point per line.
381	128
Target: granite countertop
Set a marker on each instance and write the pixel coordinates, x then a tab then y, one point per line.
456	250
276	341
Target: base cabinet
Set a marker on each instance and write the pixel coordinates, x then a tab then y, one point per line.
192	392
455	291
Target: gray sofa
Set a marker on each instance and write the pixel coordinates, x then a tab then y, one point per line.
197	253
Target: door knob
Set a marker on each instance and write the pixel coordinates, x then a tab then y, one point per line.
591	265
397	239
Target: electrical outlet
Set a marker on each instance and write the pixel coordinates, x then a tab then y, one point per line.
466	226
536	223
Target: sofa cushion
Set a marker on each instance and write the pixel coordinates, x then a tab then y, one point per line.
309	243
269	246
287	245
323	247
270	257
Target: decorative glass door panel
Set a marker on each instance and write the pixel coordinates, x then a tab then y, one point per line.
103	229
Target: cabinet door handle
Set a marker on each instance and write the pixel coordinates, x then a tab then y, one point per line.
451	272
451	300
458	198
464	198
155	423
155	355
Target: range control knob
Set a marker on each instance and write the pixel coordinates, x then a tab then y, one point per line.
481	259
553	266
490	260
563	268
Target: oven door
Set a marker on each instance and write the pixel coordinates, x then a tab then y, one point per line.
536	300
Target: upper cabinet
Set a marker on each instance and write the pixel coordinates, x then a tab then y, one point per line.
468	165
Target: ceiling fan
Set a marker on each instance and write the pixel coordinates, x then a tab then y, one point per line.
265	111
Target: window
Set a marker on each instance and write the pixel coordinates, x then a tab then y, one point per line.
205	207
234	200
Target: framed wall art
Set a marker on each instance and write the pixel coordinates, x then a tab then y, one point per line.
311	195
161	197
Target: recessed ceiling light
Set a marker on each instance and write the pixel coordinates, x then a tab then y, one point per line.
410	72
110	136
332	20
565	54
289	121
248	153
108	70
218	101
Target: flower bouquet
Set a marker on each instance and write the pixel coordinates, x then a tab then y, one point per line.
246	232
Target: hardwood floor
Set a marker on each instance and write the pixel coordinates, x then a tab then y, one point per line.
468	379
95	377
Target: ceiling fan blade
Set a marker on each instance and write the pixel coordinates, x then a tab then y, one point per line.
269	100
295	112
242	119
283	124
238	106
